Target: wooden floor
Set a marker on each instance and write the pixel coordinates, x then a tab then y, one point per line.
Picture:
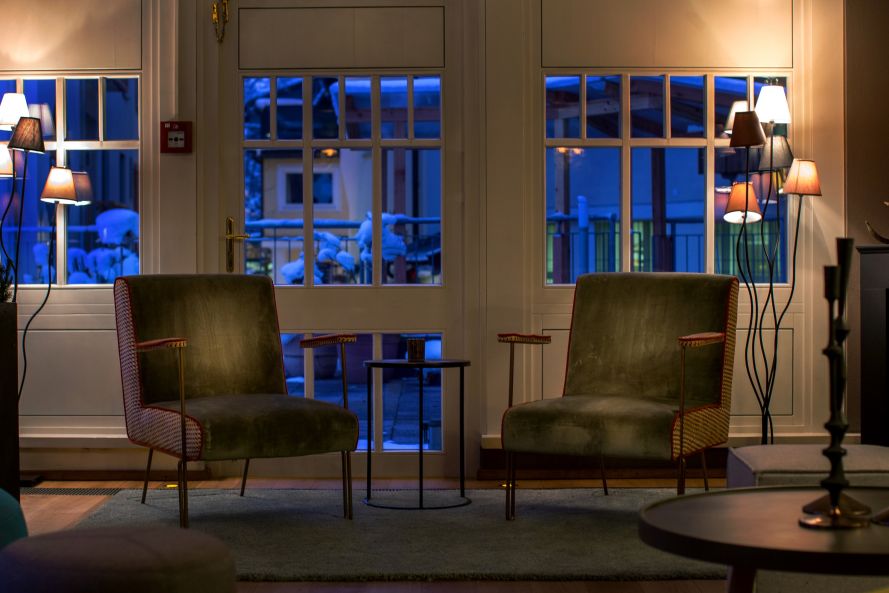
46	513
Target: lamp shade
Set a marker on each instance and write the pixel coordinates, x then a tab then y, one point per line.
742	205
730	120
747	130
5	161
12	107
803	179
43	112
59	187
27	135
83	188
776	154
771	106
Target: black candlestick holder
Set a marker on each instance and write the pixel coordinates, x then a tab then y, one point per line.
836	510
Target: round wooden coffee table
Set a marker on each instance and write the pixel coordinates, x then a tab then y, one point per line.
757	528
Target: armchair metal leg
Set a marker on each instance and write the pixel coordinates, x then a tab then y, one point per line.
680	482
244	477
602	469
704	467
347	484
147	471
183	494
510	484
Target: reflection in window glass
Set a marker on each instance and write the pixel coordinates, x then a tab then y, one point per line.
563	106
257	93
402	428
647	106
82	113
294	364
37	219
603	106
290	108
358	108
121	109
730	168
272	217
687	106
325	124
758	83
41	98
668	209
103	237
6	86
730	94
411	216
393	107
427	107
582	212
328	384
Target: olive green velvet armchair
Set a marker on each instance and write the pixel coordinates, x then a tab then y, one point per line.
648	376
203	377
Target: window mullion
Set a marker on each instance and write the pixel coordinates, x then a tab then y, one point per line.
377	177
626	207
61	159
308	176
709	175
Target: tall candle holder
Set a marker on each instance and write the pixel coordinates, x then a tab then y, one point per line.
836	510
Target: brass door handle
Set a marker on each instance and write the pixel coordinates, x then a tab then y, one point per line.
230	238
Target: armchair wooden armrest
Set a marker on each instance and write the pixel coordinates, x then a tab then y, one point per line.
160	344
513	338
328	340
701	339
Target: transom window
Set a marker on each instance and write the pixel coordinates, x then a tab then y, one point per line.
651	148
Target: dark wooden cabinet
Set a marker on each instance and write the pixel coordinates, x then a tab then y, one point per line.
874	330
9	408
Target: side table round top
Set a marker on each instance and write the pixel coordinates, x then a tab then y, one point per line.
416	364
758	528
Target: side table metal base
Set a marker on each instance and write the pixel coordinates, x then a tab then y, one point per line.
463	501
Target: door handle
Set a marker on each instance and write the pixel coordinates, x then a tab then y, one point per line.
230	238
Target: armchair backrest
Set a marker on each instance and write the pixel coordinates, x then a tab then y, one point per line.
230	322
625	329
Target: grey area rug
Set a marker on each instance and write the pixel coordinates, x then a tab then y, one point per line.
300	535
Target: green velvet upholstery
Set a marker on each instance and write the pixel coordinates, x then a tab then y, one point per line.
12	521
622	384
269	425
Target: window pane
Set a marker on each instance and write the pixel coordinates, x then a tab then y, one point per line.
687	106
325	123
82	112
103	237
358	111
343	229
37	220
758	83
647	106
668	209
402	427
603	106
272	217
582	212
427	107
393	107
290	108
121	109
257	97
563	106
6	86
731	93
41	97
411	216
294	364
730	168
329	379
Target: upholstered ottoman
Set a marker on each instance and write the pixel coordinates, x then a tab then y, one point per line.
134	560
804	465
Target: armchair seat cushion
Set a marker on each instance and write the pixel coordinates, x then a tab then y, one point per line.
614	426
240	426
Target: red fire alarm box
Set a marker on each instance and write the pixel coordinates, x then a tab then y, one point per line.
176	136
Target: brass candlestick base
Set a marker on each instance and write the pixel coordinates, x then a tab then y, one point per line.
848	506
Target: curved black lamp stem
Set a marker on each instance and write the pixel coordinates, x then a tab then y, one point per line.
10	264
18	239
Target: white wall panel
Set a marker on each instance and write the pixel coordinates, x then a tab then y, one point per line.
658	34
373	37
70	34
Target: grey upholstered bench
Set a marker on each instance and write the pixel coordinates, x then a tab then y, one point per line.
804	465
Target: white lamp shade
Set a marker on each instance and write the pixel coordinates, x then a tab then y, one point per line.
771	106
59	187
742	204
730	120
12	107
5	161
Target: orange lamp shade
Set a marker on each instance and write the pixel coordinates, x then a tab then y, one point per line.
802	179
742	204
59	187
